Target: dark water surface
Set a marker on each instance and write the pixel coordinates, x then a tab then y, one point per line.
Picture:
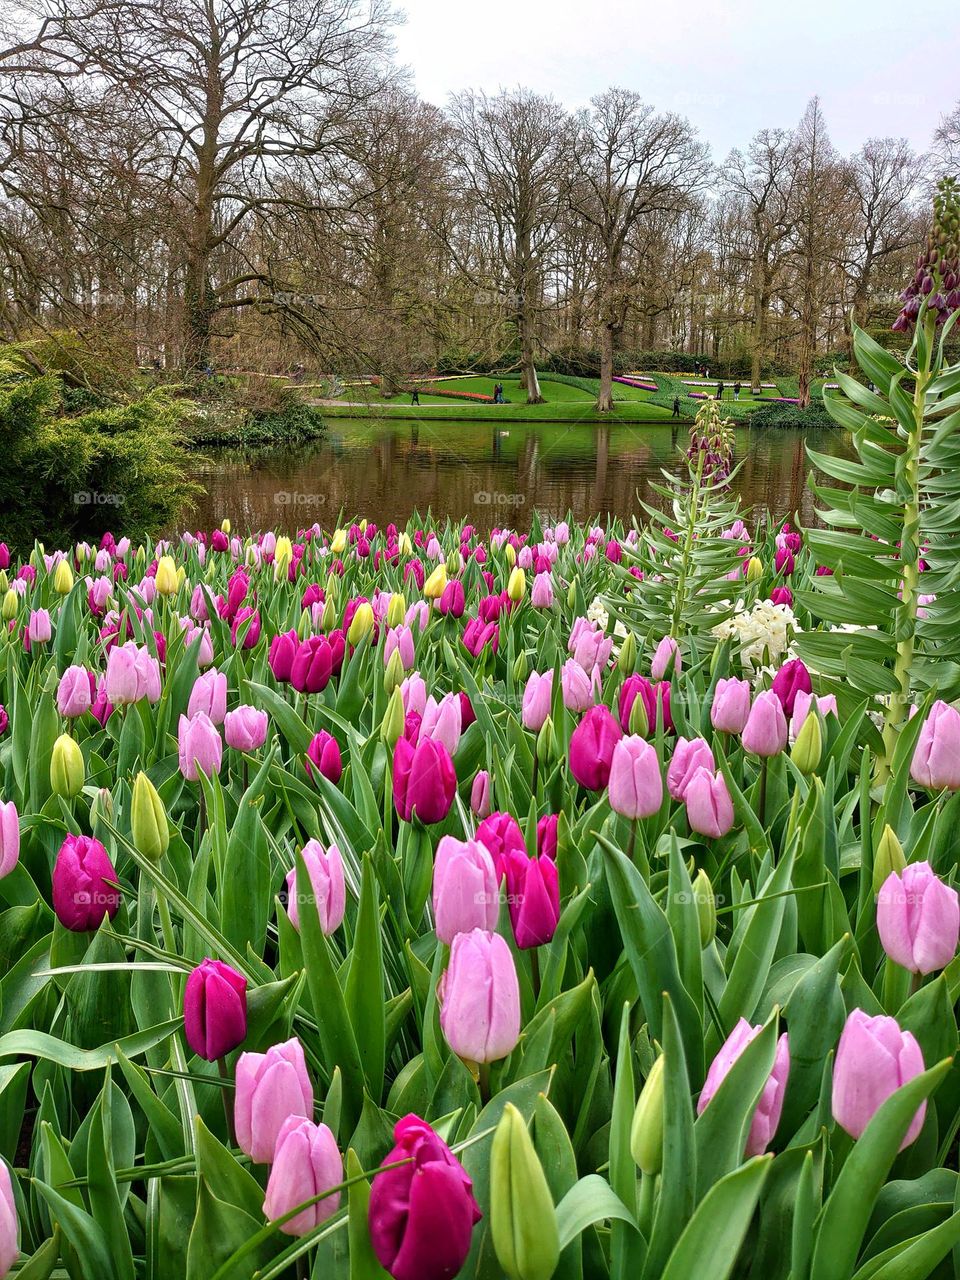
488	473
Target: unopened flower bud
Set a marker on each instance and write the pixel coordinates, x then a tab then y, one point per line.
888	858
523	1221
646	1132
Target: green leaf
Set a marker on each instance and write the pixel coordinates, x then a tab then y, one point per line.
710	1245
589	1201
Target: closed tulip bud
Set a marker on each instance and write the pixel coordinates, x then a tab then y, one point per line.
888	859
66	768
63	578
245	728
209	695
391	726
480	803
874	1059
646	1132
394	672
9	1222
225	526
405	545
520	667
591	748
10	838
706	907
338	543
627	657
396	610
466	890
11	603
282	555
328	887
533	896
808	748
766	1117
537	697
510	553
215	1009
422	1211
4	580
454	563
73	692
666	659
572	593
101	808
328	619
362	623
148	820
636	786
754	569
731	705
517	584
791	680
424	780
84	885
638	720
166	576
332	590
305	625
200	747
480	998
523	1221
306	1163
324	756
547	747
936	758
918	919
434	586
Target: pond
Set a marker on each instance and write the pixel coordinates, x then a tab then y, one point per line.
487	473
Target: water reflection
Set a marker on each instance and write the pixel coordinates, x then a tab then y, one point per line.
487	473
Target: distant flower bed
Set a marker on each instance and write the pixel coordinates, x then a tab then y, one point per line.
458	395
638	383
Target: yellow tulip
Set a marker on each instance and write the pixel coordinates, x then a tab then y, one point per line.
63	578
166	579
434	585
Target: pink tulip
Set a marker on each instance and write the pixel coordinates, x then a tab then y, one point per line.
480	998
84	885
580	689
541	593
306	1164
918	919
480	795
936	758
200	747
731	705
591	748
73	692
329	896
9	837
245	728
666	659
708	804
442	721
765	733
687	758
636	784
209	695
413	691
39	629
9	1222
537	697
802	703
874	1059
766	1118
270	1087
466	889
400	640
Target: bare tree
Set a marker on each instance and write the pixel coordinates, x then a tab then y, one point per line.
631	164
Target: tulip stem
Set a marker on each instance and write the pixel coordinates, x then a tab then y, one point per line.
646	1203
536	765
762	805
535	972
632	840
227	1095
483	1082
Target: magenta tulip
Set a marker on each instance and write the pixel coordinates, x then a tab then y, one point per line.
312	665
936	758
422	1212
708	804
466	889
874	1059
499	833
533	897
918	919
306	1163
687	758
636	783
765	733
270	1087
200	747
9	1220
653	696
329	892
591	748
424	781
283	651
731	705
214	1009
323	754
766	1117
792	678
480	998
84	885
547	833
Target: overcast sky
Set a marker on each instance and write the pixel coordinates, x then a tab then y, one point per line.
880	66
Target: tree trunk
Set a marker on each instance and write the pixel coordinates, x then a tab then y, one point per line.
528	369
605	396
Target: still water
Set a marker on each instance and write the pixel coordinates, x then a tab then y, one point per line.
487	473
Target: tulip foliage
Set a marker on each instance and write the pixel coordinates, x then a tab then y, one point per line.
356	926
